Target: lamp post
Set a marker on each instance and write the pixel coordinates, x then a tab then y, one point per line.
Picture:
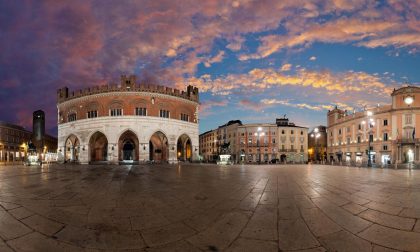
316	135
371	123
258	134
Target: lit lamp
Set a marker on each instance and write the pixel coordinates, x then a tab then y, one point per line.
316	135
258	134
370	130
408	100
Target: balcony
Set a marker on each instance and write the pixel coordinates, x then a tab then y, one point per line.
408	141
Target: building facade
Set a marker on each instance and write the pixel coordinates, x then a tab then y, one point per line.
208	146
257	142
13	142
317	144
387	133
16	143
129	122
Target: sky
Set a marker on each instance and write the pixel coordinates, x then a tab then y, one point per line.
251	60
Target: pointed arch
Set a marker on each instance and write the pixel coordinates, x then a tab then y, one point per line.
158	147
98	147
128	146
184	148
72	148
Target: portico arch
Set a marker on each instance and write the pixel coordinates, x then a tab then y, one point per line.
98	147
183	146
72	149
128	146
158	147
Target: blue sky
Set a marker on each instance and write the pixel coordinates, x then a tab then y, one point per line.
251	60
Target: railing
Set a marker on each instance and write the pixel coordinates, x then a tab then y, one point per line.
408	141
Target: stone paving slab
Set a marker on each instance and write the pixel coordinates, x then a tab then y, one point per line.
340	216
10	227
43	225
205	207
392	238
388	220
35	242
345	241
295	235
222	233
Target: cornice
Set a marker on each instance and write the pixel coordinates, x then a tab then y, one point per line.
77	100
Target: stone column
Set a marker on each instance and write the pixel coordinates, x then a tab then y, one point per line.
144	154
60	154
84	154
112	153
172	159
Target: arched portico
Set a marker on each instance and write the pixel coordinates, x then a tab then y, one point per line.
72	149
128	146
158	147
184	149
98	147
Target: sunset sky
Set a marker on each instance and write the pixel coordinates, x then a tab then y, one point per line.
251	60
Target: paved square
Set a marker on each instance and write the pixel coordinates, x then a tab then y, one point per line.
200	207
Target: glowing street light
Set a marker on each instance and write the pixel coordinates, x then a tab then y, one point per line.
370	130
258	134
316	135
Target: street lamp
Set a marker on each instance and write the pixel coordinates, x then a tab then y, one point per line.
371	123
316	135
258	134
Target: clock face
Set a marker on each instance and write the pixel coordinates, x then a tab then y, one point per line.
408	100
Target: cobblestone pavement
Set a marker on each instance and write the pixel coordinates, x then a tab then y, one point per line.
208	208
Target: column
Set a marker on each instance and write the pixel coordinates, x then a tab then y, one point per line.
112	153
144	154
172	153
84	153
60	154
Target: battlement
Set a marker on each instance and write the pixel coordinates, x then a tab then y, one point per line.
128	84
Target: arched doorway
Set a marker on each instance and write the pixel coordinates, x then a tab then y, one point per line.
128	146
158	147
98	146
183	147
72	149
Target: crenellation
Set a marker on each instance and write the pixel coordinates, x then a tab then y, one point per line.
128	84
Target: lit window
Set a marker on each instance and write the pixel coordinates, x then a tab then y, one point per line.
141	111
